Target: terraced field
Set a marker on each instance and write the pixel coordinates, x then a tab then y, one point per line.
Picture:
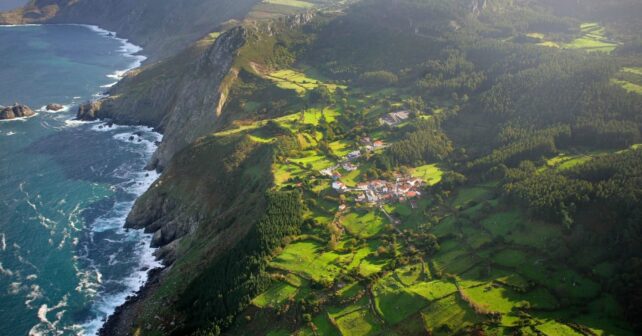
593	39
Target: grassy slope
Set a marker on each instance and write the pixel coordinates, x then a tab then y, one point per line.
353	273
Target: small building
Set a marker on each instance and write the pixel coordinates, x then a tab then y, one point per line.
363	186
354	155
372	197
342	207
412	194
326	172
349	166
339	186
378	144
366	141
395	118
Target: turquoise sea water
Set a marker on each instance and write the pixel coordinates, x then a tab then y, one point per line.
66	186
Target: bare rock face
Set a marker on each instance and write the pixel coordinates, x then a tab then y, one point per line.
88	111
54	107
15	111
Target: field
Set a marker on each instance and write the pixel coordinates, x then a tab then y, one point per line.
431	174
630	78
593	39
298	81
292	3
364	225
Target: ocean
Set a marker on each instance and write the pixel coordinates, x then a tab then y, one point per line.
66	262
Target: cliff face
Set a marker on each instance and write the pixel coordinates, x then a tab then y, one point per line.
161	27
178	96
205	204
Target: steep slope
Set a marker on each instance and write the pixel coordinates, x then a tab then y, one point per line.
178	96
187	96
162	28
215	218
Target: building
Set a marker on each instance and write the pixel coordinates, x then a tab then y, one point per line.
394	118
339	186
354	155
378	144
349	166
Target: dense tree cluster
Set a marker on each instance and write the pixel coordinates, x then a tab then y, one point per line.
227	285
424	142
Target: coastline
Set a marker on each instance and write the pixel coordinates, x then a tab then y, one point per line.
149	270
149	266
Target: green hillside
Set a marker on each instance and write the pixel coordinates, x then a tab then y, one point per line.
409	167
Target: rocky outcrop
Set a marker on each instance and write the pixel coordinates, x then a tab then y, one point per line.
54	107
162	28
15	111
89	111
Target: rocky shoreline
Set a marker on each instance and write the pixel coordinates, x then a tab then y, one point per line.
15	111
121	321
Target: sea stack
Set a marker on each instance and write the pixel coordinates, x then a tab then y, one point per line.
54	107
15	111
88	111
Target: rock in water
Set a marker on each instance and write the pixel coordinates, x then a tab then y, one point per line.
16	111
88	111
54	107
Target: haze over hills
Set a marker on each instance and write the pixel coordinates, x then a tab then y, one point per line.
380	167
11	4
162	27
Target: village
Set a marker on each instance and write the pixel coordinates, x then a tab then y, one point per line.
374	192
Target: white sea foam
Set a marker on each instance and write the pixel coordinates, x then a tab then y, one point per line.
33	295
15	288
3	242
46	327
10	133
108	85
5	271
127	49
76	123
20	25
19	119
136	183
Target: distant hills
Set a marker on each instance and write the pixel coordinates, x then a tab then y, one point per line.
161	27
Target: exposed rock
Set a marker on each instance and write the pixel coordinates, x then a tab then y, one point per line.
89	111
54	107
16	111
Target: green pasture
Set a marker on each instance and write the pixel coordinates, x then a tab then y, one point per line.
431	174
307	258
364	224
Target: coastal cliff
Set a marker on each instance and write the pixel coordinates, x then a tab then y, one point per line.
206	213
179	96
